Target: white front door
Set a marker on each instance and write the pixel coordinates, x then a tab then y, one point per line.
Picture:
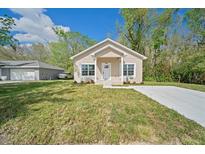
106	70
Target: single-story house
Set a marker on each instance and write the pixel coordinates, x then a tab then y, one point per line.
28	70
108	62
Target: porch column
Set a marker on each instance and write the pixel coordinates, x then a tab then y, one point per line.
122	69
95	69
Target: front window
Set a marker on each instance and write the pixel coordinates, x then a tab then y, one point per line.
88	69
128	69
91	70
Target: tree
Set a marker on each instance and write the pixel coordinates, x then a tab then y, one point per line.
39	52
191	69
8	53
196	22
135	27
59	54
147	31
76	42
69	44
160	34
6	24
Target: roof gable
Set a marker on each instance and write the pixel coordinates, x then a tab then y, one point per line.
110	44
108	48
108	52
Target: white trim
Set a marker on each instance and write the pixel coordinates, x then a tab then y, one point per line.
114	42
122	64
102	64
95	70
0	73
134	52
134	70
110	70
88	49
88	70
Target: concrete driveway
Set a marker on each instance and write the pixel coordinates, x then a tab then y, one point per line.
189	103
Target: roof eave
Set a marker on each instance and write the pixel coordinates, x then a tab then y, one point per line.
108	39
89	48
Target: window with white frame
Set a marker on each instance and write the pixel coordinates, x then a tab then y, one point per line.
88	69
128	69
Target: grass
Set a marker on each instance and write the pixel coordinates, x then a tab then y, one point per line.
61	112
177	84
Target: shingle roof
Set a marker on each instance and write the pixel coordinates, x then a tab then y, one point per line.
26	64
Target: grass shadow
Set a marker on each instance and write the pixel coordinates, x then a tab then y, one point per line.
15	98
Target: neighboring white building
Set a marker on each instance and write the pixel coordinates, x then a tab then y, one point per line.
28	70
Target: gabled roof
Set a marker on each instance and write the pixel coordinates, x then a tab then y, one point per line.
114	42
27	64
108	47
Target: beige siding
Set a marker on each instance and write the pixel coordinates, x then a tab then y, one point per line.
138	67
77	67
108	56
109	52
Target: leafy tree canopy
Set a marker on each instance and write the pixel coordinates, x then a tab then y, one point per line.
196	22
6	24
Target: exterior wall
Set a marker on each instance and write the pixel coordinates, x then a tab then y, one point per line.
138	68
113	58
40	74
88	59
5	72
77	67
49	74
37	74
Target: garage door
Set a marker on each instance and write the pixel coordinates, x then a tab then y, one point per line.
22	74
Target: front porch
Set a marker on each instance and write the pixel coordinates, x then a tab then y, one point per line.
109	66
109	70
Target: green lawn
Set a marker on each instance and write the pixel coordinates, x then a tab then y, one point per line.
182	85
61	112
177	84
